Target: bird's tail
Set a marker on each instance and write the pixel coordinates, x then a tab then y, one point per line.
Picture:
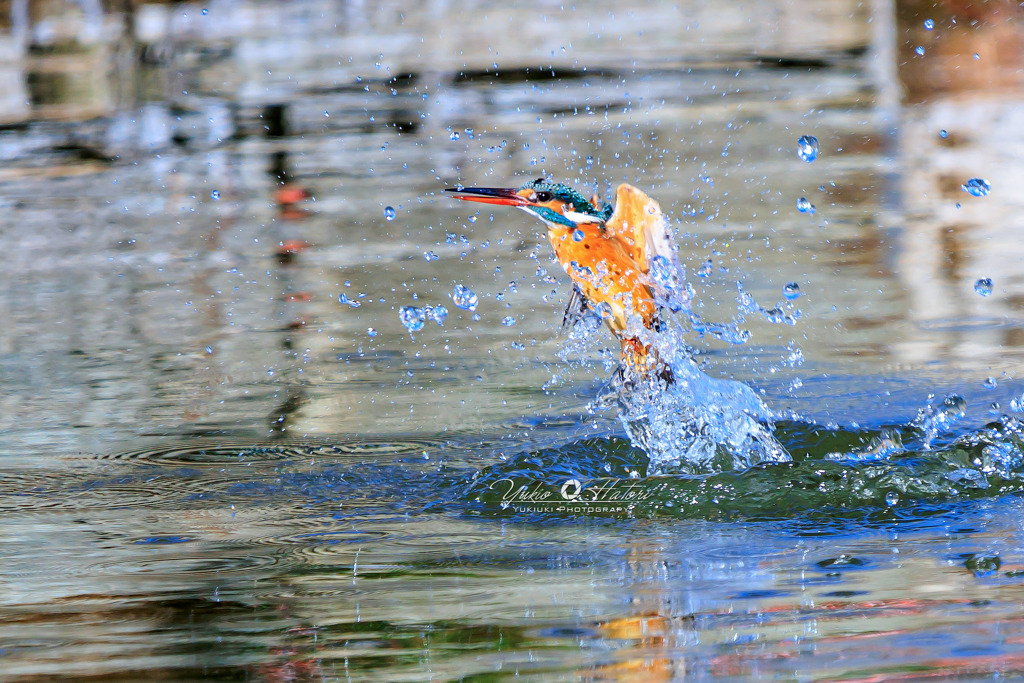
643	360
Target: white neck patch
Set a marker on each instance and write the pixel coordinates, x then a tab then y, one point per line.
580	218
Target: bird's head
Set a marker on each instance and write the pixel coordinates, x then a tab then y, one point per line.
558	205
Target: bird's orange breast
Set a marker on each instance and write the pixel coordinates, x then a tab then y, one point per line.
605	273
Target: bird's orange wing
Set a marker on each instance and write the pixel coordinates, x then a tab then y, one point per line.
640	226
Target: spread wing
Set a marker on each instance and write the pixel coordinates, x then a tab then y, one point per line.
640	226
642	229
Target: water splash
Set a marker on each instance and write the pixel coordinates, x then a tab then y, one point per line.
698	424
783	312
835	474
933	420
670	287
685	420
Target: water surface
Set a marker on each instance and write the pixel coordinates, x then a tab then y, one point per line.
216	466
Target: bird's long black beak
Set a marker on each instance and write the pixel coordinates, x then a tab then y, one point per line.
504	196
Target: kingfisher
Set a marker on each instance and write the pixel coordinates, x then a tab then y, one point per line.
606	250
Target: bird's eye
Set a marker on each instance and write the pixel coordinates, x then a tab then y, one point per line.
543	197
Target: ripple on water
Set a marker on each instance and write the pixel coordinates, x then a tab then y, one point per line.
195	475
221	454
750	550
968	324
207	454
308	540
210	561
396	447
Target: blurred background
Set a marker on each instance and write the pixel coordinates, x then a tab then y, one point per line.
195	202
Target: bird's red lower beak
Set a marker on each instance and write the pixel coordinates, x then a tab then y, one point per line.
489	195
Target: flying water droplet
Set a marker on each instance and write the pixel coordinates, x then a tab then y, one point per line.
508	321
943	134
976	187
215	195
892	498
929	24
803	205
413	318
705	269
919	50
438	313
577	235
791	290
954	406
205	12
371	332
430	256
746	303
472	218
991	383
389	213
454	135
807	148
983	287
464	298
